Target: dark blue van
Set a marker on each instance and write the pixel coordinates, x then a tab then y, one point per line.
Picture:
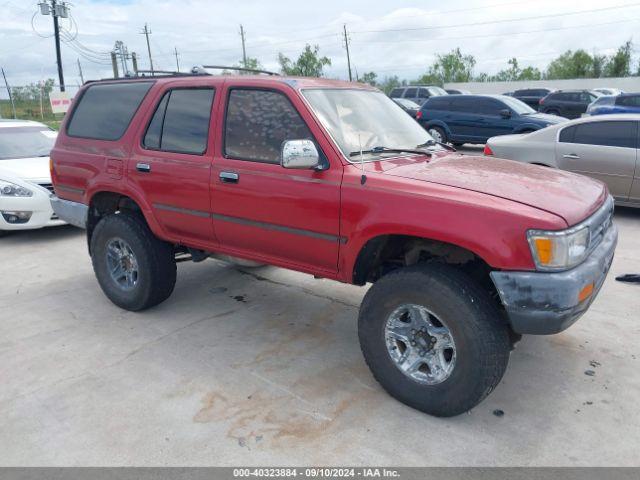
476	118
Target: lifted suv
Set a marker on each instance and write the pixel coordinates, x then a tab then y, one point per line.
333	179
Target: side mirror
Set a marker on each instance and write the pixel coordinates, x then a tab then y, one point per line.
506	113
299	154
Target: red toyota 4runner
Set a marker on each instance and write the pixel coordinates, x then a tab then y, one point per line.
333	179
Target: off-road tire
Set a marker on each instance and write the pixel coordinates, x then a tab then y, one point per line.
155	259
481	338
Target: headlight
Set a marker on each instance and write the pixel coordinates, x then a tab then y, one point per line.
558	250
8	189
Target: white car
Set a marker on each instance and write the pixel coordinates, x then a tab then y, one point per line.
605	147
25	180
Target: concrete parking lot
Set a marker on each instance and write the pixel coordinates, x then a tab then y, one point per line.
262	367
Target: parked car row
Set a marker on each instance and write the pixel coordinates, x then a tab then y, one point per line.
601	147
475	118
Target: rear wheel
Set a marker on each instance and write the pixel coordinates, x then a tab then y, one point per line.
135	269
438	134
433	339
553	112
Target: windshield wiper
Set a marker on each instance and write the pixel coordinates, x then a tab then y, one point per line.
432	143
389	150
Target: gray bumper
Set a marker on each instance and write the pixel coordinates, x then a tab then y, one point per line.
545	303
71	212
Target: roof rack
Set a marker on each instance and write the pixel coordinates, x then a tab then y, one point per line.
155	73
199	68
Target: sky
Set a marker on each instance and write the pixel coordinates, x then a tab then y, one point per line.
389	37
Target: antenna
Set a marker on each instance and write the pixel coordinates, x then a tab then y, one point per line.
363	178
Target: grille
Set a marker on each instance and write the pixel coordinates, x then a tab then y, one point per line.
600	222
48	186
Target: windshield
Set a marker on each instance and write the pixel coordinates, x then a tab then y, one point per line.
435	91
25	142
407	103
605	100
363	119
517	106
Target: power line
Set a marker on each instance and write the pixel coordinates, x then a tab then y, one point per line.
494	22
490	35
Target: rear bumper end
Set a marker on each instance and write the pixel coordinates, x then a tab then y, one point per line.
545	303
73	213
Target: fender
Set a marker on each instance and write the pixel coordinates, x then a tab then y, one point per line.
437	123
95	188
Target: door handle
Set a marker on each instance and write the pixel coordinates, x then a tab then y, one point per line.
229	177
143	167
572	156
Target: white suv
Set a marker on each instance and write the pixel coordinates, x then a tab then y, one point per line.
25	179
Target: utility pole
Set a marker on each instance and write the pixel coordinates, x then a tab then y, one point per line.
13	107
114	64
244	50
146	33
175	51
346	45
57	9
134	61
80	71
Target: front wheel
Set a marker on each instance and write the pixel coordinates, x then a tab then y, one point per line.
135	269
433	339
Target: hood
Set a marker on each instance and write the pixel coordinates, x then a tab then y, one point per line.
567	195
546	118
31	169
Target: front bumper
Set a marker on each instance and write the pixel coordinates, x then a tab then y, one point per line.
38	206
71	212
544	303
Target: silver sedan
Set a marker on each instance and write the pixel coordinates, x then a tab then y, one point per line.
604	147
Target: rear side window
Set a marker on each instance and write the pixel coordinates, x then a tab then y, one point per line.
181	122
440	102
487	106
628	101
411	93
396	92
609	134
423	93
460	103
567	134
105	110
258	122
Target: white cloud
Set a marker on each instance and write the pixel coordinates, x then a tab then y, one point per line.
207	32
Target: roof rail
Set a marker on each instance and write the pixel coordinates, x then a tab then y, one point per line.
200	68
154	73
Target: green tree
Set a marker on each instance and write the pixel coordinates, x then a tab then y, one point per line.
251	63
530	73
450	67
370	77
619	65
308	64
31	92
599	65
510	74
389	83
570	64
